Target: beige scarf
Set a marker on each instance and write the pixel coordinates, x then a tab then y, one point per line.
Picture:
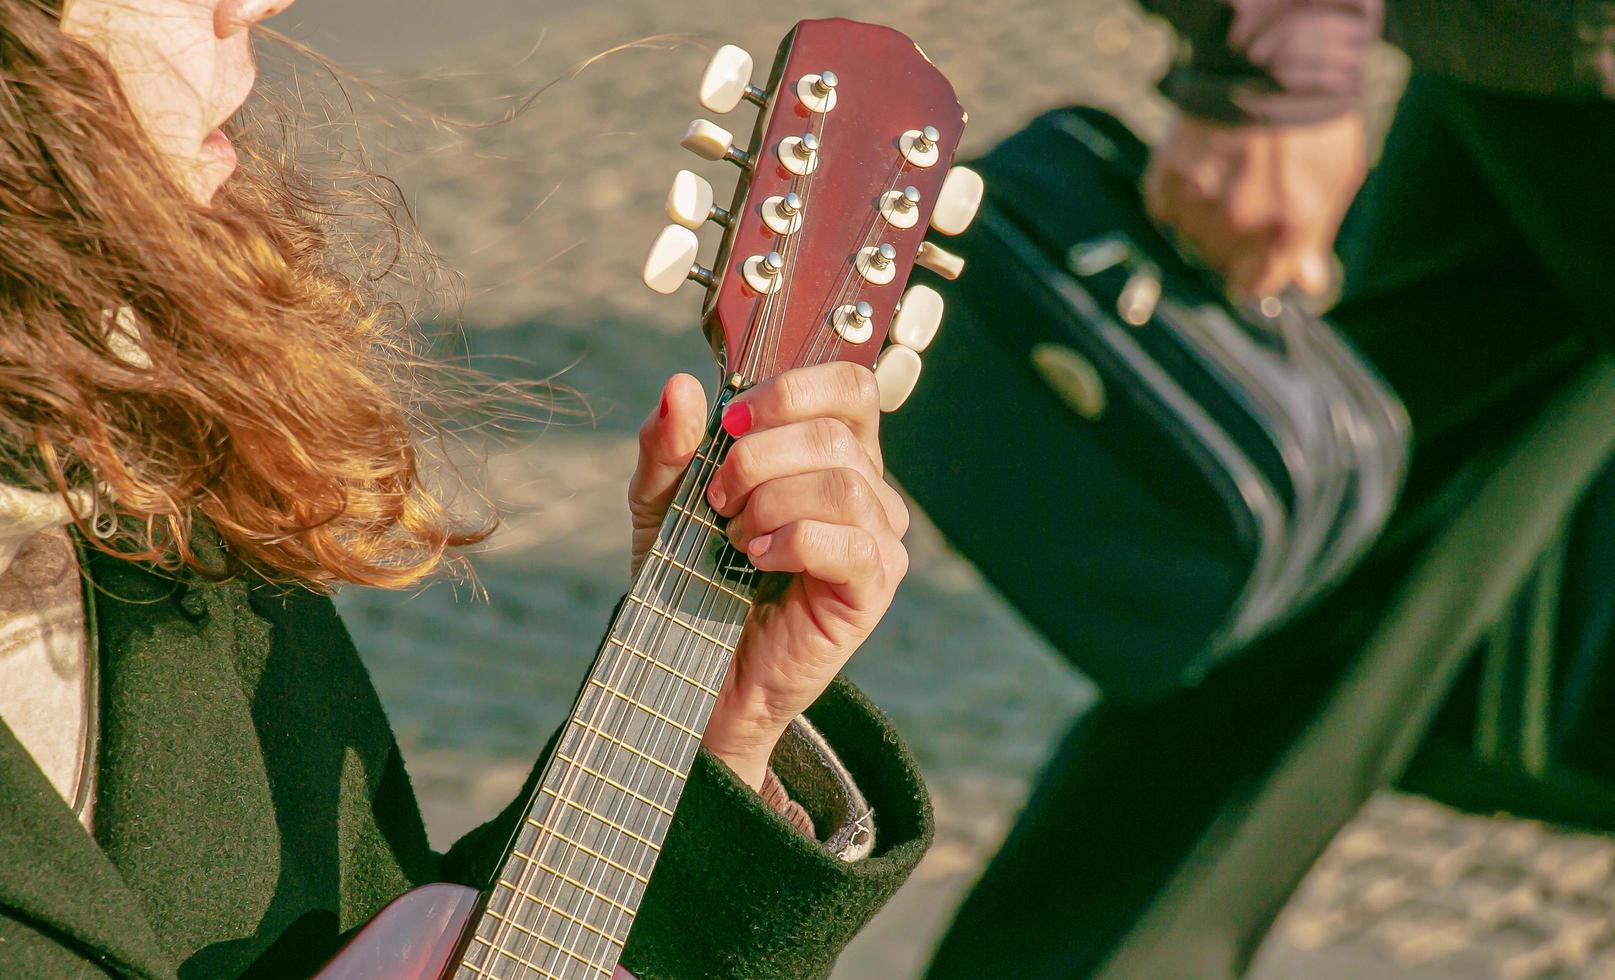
47	697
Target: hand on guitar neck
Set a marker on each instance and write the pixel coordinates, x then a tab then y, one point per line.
804	492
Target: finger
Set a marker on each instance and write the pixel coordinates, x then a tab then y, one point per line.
846	557
837	390
790	450
838	496
1313	272
667	441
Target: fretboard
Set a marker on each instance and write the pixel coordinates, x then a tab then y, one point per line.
577	869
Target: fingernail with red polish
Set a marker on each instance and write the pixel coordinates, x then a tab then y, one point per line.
662	412
737	419
759	544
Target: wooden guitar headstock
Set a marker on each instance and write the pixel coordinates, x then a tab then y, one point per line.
847	165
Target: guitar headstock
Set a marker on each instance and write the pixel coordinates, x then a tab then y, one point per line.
848	163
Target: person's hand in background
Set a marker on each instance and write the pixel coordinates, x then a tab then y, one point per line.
1260	204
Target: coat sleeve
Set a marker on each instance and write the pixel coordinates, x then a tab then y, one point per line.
1269	61
739	891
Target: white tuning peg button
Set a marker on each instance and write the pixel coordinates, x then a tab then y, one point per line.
689	201
917	318
957	201
671	260
710	141
727	80
897	370
940	261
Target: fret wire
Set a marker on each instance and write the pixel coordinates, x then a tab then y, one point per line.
524	893
629	748
583	809
615	827
512	923
526	936
556	835
499	951
610	782
685	624
559	839
697	518
664	556
647	709
681	675
546	907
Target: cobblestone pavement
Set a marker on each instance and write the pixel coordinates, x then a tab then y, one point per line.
546	218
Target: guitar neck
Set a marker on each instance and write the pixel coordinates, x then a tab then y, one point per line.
577	869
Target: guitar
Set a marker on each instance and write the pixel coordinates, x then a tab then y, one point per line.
846	166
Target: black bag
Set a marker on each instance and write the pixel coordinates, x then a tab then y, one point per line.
1152	476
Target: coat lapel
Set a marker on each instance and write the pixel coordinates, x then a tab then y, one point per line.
56	876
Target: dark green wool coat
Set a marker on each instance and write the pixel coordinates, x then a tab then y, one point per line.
253	808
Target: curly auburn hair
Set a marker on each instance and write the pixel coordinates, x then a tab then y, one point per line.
279	397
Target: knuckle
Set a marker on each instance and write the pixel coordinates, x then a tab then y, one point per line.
867	391
857	382
899	561
833	437
795	393
848	490
862	552
740	468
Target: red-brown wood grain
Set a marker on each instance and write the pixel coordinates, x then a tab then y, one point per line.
886	85
414	938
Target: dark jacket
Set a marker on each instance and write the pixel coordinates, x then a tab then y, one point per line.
1296	61
253	809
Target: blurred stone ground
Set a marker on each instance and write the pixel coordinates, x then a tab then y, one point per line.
546	218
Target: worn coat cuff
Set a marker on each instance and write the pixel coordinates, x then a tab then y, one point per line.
739	892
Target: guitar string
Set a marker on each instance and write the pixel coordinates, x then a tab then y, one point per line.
755	340
758	346
804	183
852	281
763	340
767	332
628	683
684	696
703	659
645	670
566	790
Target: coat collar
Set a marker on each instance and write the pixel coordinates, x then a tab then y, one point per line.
57	878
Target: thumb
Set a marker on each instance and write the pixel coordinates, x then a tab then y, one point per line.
667	441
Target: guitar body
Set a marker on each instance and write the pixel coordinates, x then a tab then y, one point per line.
413	938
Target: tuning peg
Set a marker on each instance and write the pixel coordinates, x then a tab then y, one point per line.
689	202
854	321
799	154
710	141
897	370
727	80
940	261
818	92
901	208
917	318
671	260
919	146
957	201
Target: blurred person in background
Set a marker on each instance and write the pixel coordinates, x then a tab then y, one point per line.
209	418
1479	277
